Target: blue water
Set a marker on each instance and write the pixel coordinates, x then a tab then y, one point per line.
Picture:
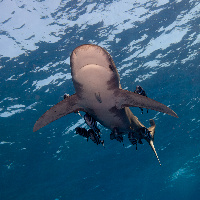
154	44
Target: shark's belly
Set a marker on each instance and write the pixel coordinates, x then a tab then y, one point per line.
98	97
114	118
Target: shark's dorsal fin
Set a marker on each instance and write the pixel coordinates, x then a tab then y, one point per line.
126	98
68	105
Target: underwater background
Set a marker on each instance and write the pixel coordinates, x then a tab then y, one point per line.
154	43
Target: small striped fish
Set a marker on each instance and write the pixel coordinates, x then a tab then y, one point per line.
132	139
146	133
91	122
82	131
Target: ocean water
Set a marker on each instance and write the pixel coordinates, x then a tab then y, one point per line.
154	43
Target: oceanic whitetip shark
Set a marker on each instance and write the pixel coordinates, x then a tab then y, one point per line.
99	94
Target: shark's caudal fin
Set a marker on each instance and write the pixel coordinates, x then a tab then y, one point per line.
151	140
68	105
125	98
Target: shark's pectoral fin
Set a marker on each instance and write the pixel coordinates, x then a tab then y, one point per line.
125	98
68	105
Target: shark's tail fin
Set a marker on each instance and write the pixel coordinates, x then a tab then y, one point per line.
151	139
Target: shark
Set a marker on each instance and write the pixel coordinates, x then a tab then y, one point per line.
98	93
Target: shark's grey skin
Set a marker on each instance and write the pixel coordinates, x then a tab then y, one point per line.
99	93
